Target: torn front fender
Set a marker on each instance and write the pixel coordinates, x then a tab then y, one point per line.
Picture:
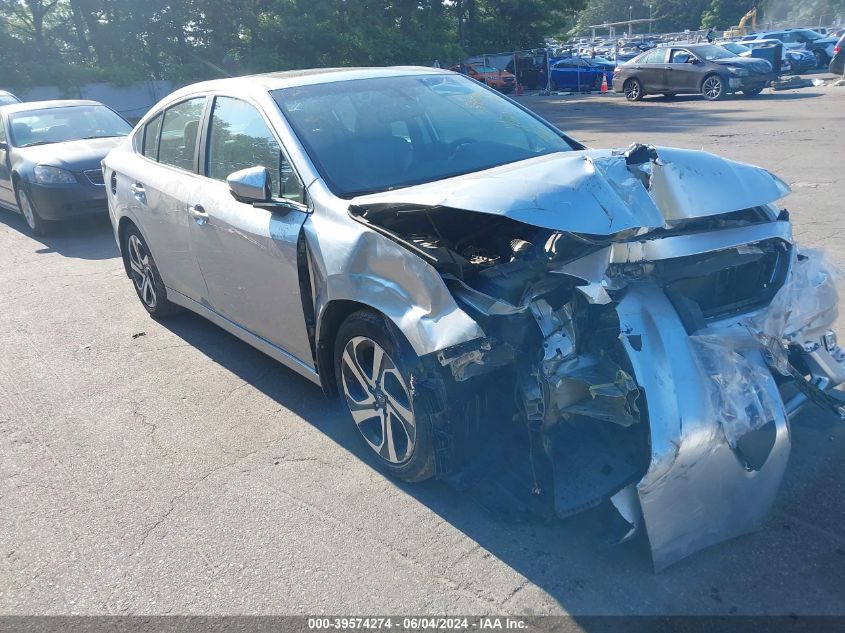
698	490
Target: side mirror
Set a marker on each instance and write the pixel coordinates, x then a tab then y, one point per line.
692	60
3	146
250	185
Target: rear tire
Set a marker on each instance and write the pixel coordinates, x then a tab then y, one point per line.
713	88
633	90
374	372
144	274
37	225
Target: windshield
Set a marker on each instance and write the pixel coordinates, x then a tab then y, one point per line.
371	135
713	52
69	123
735	47
485	69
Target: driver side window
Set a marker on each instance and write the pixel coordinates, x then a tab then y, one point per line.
680	56
239	138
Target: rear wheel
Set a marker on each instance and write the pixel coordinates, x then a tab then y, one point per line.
713	88
35	222
633	90
373	369
145	276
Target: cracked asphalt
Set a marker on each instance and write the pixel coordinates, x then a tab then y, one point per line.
152	468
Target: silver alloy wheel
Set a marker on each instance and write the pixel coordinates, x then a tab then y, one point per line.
378	399
632	90
712	88
142	272
26	209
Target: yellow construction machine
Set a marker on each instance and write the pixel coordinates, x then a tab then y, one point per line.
741	28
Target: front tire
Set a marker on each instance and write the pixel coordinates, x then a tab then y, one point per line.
633	90
374	373
37	225
144	274
713	88
821	59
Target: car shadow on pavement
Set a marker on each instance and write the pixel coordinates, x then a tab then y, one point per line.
571	562
83	238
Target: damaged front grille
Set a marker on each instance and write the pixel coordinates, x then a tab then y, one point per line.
710	286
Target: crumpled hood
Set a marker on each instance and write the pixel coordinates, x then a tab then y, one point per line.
71	155
598	191
749	63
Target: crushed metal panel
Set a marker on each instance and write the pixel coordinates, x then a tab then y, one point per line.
597	191
697	491
689	184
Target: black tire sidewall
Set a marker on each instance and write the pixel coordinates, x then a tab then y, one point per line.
630	81
369	324
41	226
721	92
163	306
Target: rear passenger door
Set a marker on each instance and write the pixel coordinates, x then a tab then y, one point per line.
159	184
651	68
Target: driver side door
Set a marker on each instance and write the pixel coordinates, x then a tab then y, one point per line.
248	255
682	71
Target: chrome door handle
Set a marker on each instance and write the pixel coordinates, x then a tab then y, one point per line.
197	212
139	192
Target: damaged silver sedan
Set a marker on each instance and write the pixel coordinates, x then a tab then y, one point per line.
636	325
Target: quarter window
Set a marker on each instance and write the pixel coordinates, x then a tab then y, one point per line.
179	131
150	141
240	138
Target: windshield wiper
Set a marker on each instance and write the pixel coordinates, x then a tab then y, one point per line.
37	143
85	138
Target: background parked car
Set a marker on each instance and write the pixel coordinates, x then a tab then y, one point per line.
820	46
501	80
837	64
50	153
580	73
707	69
7	98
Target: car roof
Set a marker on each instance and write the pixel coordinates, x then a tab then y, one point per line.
293	78
27	106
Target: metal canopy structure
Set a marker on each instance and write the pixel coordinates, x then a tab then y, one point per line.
612	26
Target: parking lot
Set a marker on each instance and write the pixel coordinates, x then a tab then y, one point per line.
151	467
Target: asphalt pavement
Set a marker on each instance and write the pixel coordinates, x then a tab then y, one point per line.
168	468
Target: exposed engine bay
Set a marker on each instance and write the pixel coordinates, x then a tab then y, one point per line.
638	361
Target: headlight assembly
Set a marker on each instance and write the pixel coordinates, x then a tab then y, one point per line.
738	72
46	175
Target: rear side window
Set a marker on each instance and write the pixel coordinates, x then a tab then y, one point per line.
150	141
179	131
655	56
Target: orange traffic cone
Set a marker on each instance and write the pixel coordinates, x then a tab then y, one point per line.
603	82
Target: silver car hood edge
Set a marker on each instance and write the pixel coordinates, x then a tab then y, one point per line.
597	191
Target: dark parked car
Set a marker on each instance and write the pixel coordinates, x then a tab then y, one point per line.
819	45
707	69
50	153
837	64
